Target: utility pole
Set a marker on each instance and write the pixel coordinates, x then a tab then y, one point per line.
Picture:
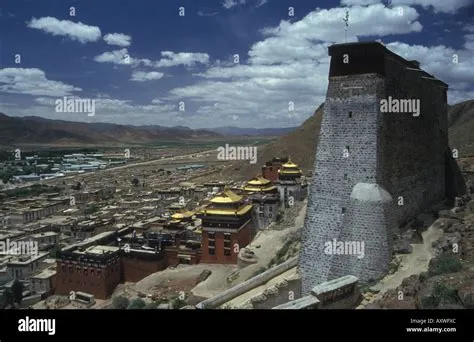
346	22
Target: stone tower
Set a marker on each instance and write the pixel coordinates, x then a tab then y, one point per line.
373	168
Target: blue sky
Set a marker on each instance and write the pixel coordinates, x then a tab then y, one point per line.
140	60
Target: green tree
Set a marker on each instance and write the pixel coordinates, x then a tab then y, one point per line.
137	304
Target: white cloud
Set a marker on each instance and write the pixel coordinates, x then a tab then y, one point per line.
120	57
469	44
118	39
204	14
469	28
142	76
359	2
231	3
170	59
46	101
76	31
438	60
182	58
32	82
327	24
446	6
292	64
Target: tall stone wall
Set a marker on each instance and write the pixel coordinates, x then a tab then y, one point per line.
412	148
373	169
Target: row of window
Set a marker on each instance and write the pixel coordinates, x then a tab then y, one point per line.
97	272
263	214
212	251
212	243
212	236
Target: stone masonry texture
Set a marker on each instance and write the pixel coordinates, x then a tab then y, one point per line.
399	159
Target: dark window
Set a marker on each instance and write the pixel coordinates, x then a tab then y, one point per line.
350	114
226	244
345	176
343	211
227	252
212	251
270	208
212	243
211	236
226	237
261	214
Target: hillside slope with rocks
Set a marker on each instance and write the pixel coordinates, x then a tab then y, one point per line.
448	282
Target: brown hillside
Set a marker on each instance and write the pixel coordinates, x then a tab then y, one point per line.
299	145
461	127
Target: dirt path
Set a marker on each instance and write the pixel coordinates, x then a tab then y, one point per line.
413	263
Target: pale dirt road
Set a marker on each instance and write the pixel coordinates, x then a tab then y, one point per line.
413	263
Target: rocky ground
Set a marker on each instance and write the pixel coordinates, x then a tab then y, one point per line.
448	281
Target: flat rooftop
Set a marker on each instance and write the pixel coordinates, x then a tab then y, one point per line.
27	259
45	274
44	234
98	250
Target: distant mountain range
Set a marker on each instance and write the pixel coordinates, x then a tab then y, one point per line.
37	130
237	131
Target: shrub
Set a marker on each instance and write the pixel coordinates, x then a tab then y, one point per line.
445	263
120	302
152	305
178	303
137	304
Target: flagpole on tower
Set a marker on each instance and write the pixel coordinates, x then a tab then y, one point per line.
346	22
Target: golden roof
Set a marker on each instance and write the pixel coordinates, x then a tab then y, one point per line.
260	189
290	165
227	196
228	211
182	214
258	181
291	171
